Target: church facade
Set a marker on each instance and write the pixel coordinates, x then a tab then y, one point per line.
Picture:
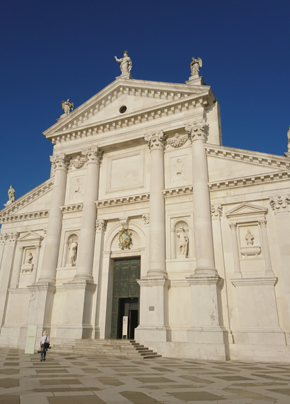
147	215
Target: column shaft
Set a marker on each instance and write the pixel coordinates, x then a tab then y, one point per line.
87	236
51	251
204	248
265	247
237	267
157	209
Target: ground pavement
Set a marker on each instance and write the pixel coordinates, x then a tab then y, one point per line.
78	379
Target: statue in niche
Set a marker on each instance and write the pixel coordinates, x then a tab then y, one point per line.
67	106
29	258
195	65
249	238
11	196
73	250
125	64
182	237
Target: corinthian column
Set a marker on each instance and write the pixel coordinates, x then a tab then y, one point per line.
87	236
51	251
205	263
157	211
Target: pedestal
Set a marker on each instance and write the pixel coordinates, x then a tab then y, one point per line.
153	310
77	317
208	337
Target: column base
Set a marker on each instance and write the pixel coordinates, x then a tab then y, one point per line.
83	277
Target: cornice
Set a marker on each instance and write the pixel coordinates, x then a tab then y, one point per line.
177	191
74	207
28	198
71	131
142	88
249	180
41	214
257	158
123	200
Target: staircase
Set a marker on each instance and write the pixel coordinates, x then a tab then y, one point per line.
106	347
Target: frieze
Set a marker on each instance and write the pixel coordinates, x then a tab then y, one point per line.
177	191
177	140
74	207
77	162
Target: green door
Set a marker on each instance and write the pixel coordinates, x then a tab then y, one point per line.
125	288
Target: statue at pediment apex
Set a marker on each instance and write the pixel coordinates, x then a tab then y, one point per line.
195	65
67	106
125	64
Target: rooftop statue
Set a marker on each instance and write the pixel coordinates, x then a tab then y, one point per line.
125	64
195	65
288	136
11	196
67	106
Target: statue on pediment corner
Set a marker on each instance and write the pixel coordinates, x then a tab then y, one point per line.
11	196
67	106
195	65
125	64
288	137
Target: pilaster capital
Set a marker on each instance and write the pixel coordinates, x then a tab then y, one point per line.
233	226
156	141
146	218
197	131
216	211
262	223
93	155
60	161
101	225
280	203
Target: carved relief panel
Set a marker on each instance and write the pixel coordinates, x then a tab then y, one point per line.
76	189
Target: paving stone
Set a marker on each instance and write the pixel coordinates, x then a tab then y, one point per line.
195	396
52	382
9	371
110	381
7	383
139	398
9	399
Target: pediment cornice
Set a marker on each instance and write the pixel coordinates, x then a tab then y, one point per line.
245	156
26	199
246	209
176	97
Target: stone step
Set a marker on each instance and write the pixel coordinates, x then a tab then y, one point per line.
120	348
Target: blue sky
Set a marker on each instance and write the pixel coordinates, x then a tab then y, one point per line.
54	50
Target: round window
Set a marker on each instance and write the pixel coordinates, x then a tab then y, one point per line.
123	109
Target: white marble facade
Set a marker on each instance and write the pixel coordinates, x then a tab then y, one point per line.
139	170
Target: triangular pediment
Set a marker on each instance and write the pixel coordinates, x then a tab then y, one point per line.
33	204
246	209
30	236
136	95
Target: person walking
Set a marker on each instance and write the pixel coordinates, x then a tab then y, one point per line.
44	344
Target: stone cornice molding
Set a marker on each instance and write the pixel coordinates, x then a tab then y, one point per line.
60	161
177	191
246	209
74	207
28	198
123	200
263	281
280	203
156	141
249	180
41	214
197	131
93	155
72	132
248	157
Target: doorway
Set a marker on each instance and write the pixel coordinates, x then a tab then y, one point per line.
125	297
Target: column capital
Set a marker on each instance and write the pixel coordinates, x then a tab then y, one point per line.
280	203
262	223
101	225
146	218
233	226
93	155
60	161
197	131
156	141
216	211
